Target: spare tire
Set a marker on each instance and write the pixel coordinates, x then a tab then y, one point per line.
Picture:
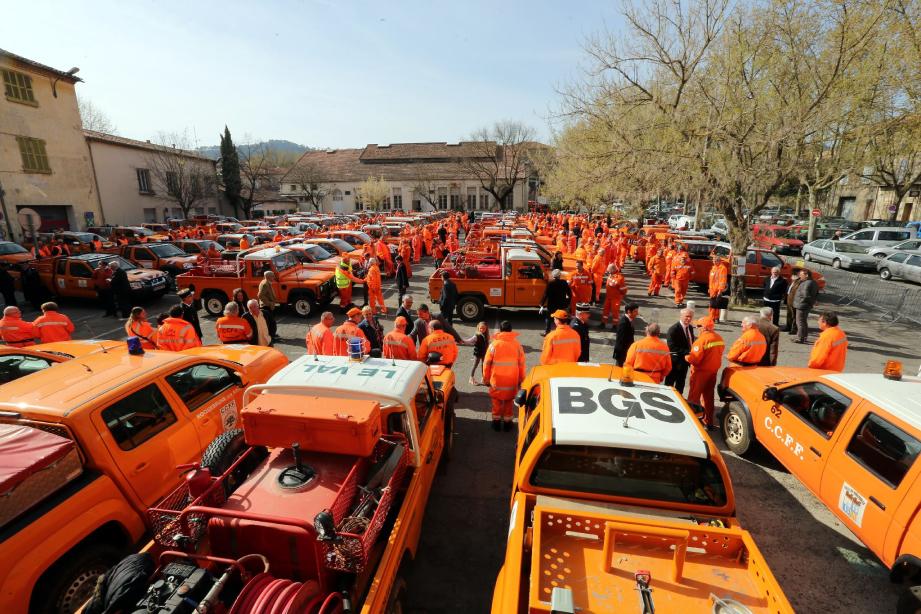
223	451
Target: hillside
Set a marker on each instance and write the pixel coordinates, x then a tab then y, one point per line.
281	145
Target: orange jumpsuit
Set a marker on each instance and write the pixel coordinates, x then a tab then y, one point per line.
17	332
399	345
829	351
657	273
417	248
580	283
563	344
143	331
615	291
53	326
175	335
650	355
439	341
719	280
345	331
375	293
748	349
681	275
705	359
383	255
233	329
407	254
597	268
427	239
320	340
503	370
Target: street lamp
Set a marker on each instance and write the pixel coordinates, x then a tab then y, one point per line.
54	84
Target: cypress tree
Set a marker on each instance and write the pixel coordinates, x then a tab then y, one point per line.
230	171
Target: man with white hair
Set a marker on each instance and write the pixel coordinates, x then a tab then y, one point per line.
15	331
406	307
749	349
557	296
257	323
771	335
680	338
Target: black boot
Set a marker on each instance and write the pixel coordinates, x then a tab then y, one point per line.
495	425
507	426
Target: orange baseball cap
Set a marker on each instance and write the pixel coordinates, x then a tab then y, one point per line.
354	311
560	313
705	322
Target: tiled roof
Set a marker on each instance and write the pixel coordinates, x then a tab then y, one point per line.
426	151
343	165
92	135
40	67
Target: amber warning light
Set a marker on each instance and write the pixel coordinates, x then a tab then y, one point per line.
893	370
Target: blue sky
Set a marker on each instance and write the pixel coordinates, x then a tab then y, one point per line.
323	73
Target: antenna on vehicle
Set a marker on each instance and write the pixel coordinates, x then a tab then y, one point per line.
87	367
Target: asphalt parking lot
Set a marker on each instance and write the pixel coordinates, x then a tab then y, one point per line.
819	564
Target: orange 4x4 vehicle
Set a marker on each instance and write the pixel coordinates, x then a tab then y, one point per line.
126	422
164	257
758	264
853	439
620	496
320	499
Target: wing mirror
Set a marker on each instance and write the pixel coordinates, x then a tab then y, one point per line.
239	377
433	358
521	397
770	394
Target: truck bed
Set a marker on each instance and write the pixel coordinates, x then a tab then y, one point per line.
597	555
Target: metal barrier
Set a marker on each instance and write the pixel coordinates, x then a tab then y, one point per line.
891	300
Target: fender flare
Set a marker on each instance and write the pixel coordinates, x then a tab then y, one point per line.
729	396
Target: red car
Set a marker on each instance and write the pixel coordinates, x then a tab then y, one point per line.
778	239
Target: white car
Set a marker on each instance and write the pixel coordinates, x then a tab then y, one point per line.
839	254
880	236
912	245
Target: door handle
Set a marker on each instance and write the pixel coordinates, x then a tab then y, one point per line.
428	457
140	467
877	502
816	452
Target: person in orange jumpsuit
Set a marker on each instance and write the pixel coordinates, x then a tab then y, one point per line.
382	251
503	370
650	355
417	248
349	330
571	243
597	269
681	274
397	344
563	344
657	273
705	359
669	257
830	349
138	326
438	341
175	334
375	293
580	285
320	336
427	240
244	243
53	325
615	291
750	347
407	253
344	280
15	331
719	281
232	328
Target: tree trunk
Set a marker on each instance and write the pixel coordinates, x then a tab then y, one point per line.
739	240
796	206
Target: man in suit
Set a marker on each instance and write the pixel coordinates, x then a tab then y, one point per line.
580	325
406	307
771	335
775	291
448	298
190	309
624	333
680	338
803	302
557	295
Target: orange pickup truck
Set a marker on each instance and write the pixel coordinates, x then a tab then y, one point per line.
72	276
302	288
118	426
622	503
164	257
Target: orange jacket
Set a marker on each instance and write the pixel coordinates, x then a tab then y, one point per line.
373	277
616	286
504	367
143	331
581	285
650	355
748	349
563	344
17	332
233	329
830	350
343	333
53	326
175	334
658	266
399	345
439	341
320	340
719	278
681	265
707	352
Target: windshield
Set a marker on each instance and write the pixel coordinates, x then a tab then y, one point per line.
122	263
82	237
166	251
784	233
142	232
11	248
850	248
636	474
283	262
318	252
341	245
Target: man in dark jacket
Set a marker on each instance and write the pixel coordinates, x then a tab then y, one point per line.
775	291
7	287
190	309
580	325
624	333
448	298
806	296
405	310
121	289
557	295
771	335
371	327
402	279
680	338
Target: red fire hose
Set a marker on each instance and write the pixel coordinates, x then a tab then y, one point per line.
265	594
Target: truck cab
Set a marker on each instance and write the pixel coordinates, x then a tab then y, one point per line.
164	257
72	276
619	494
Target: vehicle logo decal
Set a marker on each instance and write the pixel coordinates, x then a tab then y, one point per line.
852	504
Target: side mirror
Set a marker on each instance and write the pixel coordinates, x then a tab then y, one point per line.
239	377
440	397
770	394
433	358
521	397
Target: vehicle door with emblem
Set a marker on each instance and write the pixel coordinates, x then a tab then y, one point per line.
79	281
798	424
211	394
143	257
869	473
528	283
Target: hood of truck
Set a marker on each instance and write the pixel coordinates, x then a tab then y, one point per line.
179	260
302	275
749	379
144	274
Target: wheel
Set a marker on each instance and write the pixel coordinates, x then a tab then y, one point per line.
471	309
303	305
885	274
836	263
73	580
909	601
396	603
807	257
735	429
214	302
223	451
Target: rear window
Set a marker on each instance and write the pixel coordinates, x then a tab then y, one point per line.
635	474
894	235
884	449
898	257
11	248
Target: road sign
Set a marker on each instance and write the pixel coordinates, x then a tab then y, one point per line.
29	219
893	208
816	212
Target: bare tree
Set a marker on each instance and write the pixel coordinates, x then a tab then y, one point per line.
308	178
373	192
499	159
94	118
426	184
259	166
185	177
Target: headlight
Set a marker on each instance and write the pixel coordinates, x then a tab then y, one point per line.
136	285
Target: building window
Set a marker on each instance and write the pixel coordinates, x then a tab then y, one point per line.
359	206
212	210
34	156
144	181
484	201
348	192
471	199
199	210
18	87
455	199
386	204
337	195
293	188
172	182
509	200
398	198
150	215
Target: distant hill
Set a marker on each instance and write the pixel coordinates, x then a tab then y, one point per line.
281	145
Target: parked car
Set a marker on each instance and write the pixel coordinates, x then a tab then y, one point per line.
912	245
839	254
903	264
779	239
879	236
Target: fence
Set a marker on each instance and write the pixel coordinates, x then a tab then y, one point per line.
892	300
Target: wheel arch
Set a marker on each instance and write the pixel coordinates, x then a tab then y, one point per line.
729	396
906	567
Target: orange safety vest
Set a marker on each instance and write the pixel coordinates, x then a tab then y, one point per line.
143	331
830	350
175	334
707	352
650	355
17	332
442	342
561	345
343	333
233	329
53	326
320	340
748	349
719	278
399	345
504	366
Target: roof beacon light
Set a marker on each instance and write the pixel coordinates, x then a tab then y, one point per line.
893	370
626	379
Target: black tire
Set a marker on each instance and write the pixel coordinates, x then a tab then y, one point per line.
736	431
213	302
909	601
303	305
71	581
807	257
471	309
885	274
396	603
223	451
836	263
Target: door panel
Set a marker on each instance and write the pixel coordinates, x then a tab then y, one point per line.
211	396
